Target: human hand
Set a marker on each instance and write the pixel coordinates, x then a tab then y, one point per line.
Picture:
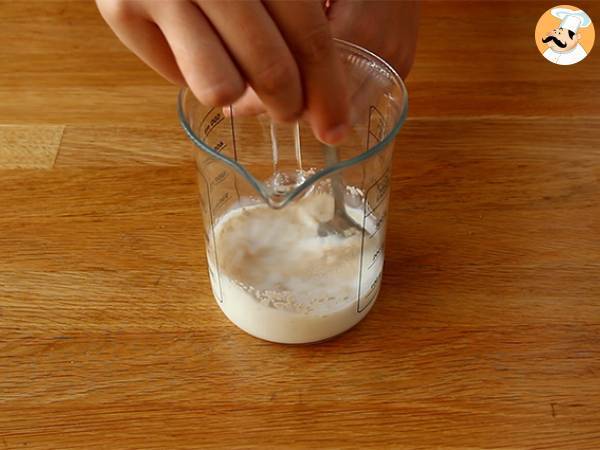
279	52
387	28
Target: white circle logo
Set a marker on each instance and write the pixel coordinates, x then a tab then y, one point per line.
564	35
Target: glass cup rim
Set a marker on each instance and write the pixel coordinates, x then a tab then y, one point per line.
378	147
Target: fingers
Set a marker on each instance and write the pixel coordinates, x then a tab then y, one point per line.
282	50
205	64
248	104
306	31
261	53
136	30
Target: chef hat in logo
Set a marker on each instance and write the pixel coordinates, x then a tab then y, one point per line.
572	19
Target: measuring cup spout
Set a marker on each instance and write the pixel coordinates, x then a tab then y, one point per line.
258	160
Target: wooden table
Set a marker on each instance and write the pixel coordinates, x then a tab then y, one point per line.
487	331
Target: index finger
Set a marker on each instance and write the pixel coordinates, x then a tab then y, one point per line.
305	28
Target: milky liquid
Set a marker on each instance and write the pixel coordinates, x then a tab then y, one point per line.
277	279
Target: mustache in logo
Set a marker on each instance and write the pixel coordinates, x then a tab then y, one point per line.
555	40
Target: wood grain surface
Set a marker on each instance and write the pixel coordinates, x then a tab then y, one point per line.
486	334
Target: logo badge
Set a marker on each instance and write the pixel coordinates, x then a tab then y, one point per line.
564	35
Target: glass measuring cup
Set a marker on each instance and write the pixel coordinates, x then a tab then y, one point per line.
266	188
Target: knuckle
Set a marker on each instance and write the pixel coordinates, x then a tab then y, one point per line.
288	116
219	94
315	45
287	112
275	78
117	10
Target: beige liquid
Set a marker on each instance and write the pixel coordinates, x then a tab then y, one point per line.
278	280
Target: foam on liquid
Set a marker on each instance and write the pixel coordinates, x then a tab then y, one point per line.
276	279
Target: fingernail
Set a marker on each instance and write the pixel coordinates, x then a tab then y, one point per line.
336	134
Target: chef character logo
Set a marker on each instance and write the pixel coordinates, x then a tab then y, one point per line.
565	35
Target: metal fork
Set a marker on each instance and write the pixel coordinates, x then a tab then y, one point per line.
341	224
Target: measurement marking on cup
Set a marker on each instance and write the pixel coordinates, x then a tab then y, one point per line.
374	283
371	293
378	226
220	146
380	126
382	186
380	122
222	201
222	176
214	121
372	211
376	256
377	138
381	196
379	223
